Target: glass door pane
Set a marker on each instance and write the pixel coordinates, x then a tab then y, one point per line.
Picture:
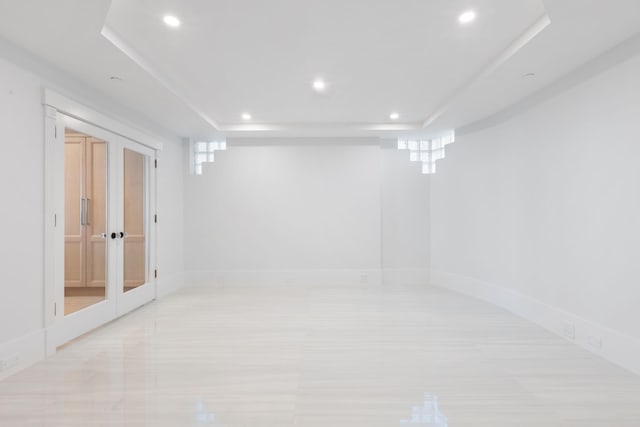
135	220
85	192
96	214
108	194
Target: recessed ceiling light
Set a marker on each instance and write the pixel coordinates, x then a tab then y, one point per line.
246	116
172	21
467	17
529	75
394	116
319	85
116	79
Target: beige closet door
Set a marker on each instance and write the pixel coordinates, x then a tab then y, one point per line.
74	250
96	213
85	257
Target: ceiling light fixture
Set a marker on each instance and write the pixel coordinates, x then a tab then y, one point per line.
467	17
171	21
246	116
319	85
394	116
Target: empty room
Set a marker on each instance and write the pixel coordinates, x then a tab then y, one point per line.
320	213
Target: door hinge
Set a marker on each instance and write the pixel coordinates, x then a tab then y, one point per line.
155	218
155	162
55	132
55	220
155	273
55	309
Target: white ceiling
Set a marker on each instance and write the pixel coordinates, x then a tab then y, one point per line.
378	56
580	31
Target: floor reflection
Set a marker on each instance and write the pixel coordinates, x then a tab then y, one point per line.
428	414
202	415
258	356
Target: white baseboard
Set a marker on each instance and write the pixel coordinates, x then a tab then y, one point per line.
21	353
285	277
387	276
610	344
405	276
169	284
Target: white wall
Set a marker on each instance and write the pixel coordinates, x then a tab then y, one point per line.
286	208
541	214
405	218
22	213
172	170
22	195
294	210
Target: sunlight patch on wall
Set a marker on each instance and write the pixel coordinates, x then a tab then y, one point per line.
204	152
427	151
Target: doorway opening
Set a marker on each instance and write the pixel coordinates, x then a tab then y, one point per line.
100	241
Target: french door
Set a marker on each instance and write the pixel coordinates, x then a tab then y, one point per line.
105	268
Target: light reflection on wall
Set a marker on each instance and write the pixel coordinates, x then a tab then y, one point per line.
428	414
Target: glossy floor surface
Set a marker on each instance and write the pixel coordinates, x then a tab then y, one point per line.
321	356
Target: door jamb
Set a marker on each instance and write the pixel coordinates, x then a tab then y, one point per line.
55	105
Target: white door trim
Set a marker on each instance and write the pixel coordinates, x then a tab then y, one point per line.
59	110
74	109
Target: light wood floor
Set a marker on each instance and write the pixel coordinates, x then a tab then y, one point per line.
321	356
73	304
76	299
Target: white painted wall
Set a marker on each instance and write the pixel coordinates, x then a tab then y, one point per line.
541	214
172	171
405	218
22	213
277	208
295	210
22	195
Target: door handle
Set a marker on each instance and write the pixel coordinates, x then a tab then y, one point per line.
121	235
103	235
81	211
86	211
114	235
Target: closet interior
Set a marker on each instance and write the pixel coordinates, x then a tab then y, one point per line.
85	240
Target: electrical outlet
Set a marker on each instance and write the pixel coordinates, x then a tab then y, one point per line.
569	331
595	342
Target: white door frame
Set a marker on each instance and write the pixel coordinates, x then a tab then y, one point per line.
58	112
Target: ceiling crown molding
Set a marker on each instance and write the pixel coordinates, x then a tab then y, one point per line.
521	41
146	65
330	129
